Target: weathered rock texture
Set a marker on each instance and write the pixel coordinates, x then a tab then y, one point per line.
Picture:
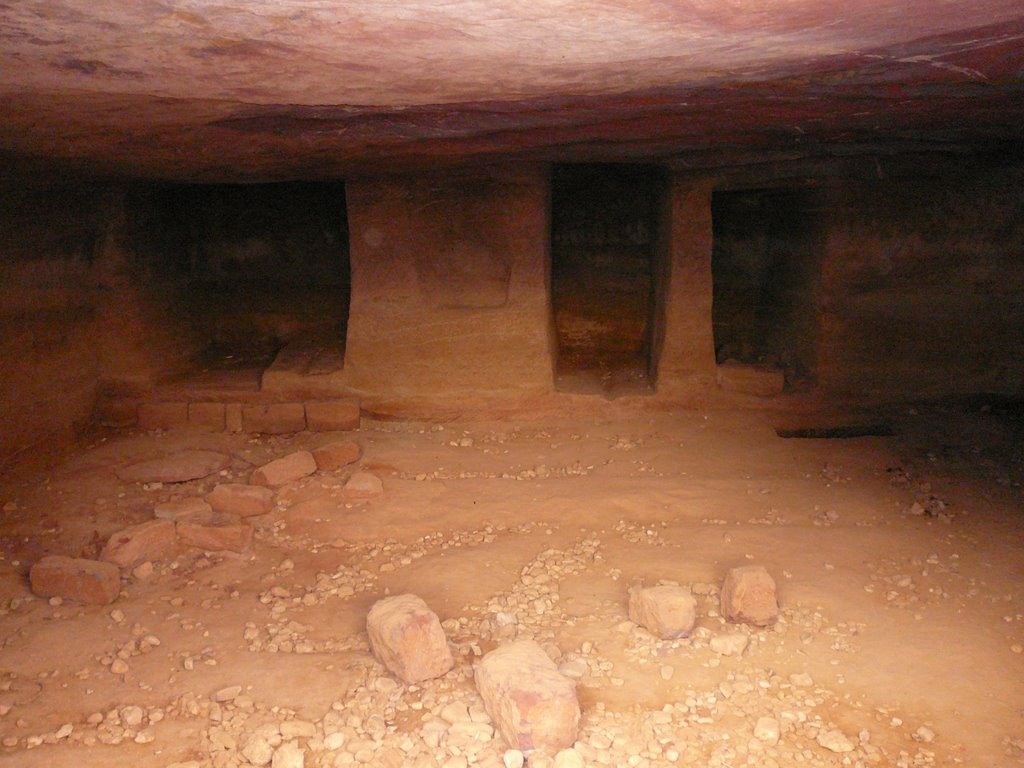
215	533
275	419
532	705
336	455
340	415
590	79
407	638
151	540
474	291
364	485
667	611
88	581
182	509
179	467
748	596
241	499
287	469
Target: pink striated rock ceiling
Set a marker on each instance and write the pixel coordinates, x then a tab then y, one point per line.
274	89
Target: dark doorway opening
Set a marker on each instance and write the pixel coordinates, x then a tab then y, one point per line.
604	241
764	265
256	267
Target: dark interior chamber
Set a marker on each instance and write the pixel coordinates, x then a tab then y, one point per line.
604	222
764	258
255	266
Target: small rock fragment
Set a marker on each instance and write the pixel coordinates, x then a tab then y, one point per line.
732	644
666	611
227	694
88	581
288	755
767	730
364	485
835	741
143	571
513	758
257	750
407	638
285	470
531	704
569	758
749	596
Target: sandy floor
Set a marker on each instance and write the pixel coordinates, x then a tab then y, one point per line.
902	631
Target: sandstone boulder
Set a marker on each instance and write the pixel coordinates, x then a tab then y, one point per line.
407	638
285	470
364	485
151	540
337	454
749	596
87	581
531	704
216	533
667	611
182	509
241	499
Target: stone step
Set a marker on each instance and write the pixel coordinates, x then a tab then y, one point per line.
306	369
335	415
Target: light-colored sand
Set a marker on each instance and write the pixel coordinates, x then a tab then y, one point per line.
894	627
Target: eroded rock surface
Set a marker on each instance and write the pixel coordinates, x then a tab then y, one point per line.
532	705
407	638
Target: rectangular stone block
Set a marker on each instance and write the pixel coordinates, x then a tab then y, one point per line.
163	415
407	638
217	533
749	596
137	543
182	509
294	466
532	705
332	415
274	419
206	416
336	455
88	581
666	611
241	499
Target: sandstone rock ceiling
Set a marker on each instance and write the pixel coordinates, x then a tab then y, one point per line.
273	89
